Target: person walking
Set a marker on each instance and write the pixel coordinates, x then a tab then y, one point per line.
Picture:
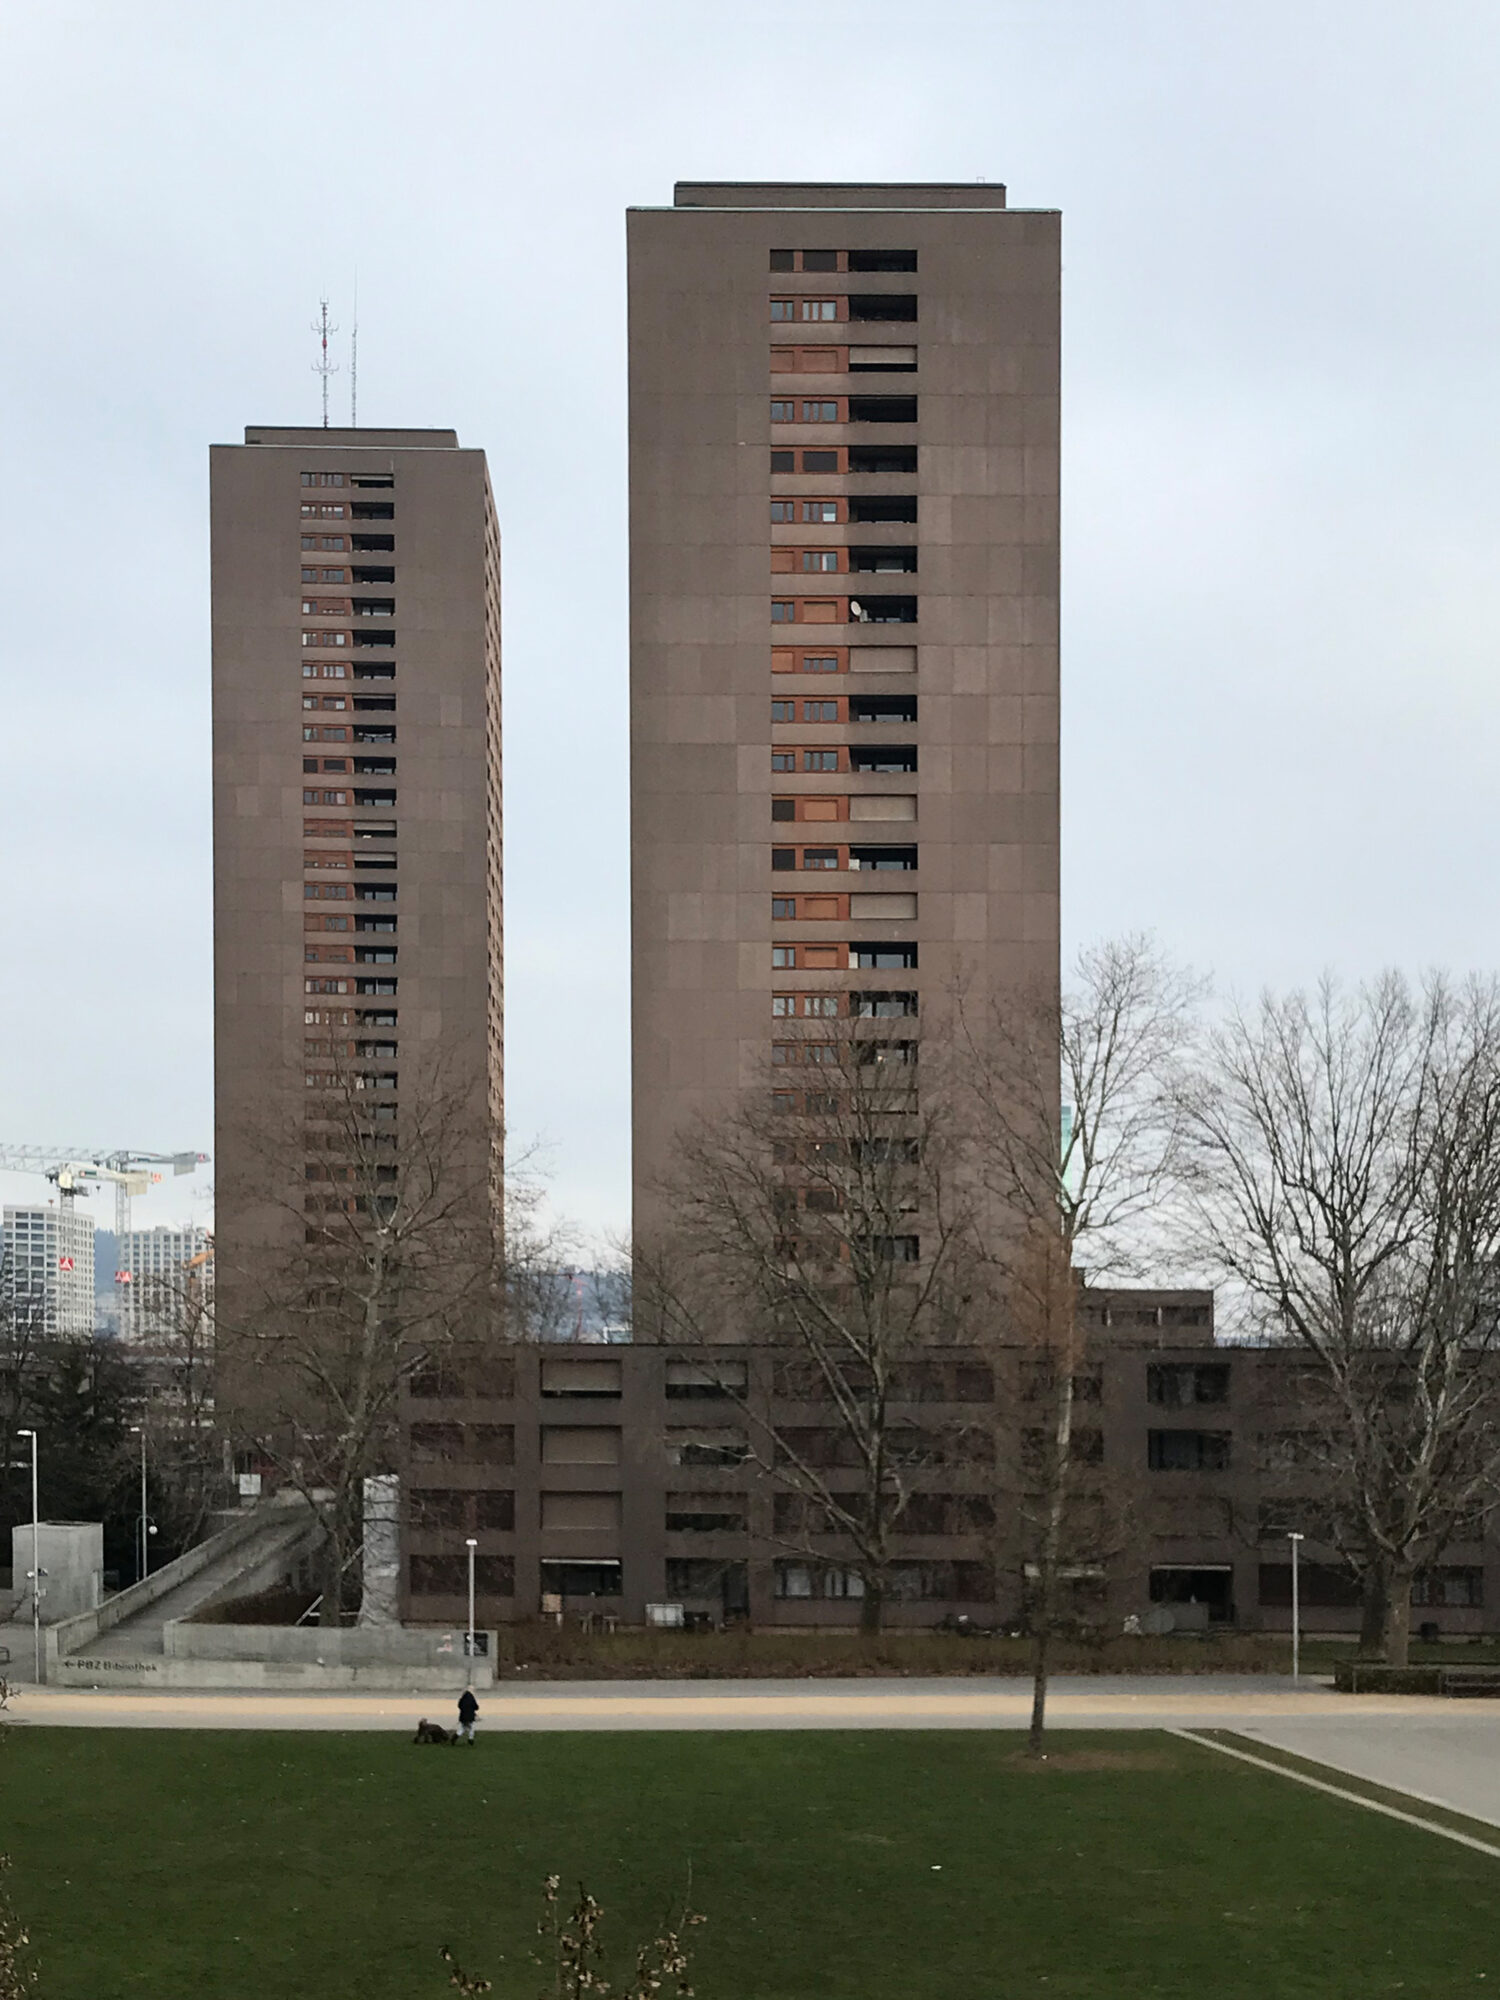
468	1708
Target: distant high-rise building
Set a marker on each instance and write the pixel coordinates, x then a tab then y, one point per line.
844	439
48	1266
159	1277
357	841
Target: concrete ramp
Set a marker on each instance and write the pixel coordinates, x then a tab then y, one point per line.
125	1634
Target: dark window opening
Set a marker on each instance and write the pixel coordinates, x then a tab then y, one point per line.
882	458
1187	1451
370	734
1213	1588
883	957
783	461
820	260
883	507
374	573
882	305
883	708
892	561
373	544
882	757
891	859
783	857
371	670
783	808
375	767
1320	1586
373	510
375	639
882	1006
1175	1385
706	1513
383	704
783	260
375	924
878	611
882	409
581	1579
820	461
882	260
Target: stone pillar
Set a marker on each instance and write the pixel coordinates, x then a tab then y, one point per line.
381	1602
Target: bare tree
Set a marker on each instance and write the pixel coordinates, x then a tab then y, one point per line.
1347	1182
389	1253
826	1218
1078	1139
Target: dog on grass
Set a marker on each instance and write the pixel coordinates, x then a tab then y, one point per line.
434	1732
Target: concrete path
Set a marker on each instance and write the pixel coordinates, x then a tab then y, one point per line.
1445	1753
1245	1703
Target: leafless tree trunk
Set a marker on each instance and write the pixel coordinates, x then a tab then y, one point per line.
1346	1179
826	1218
1079	1140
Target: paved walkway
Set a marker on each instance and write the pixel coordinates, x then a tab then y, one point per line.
1446	1753
1247	1703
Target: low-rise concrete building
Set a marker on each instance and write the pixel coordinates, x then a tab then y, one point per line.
617	1479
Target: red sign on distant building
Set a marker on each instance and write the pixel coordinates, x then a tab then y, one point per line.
122	1278
65	1263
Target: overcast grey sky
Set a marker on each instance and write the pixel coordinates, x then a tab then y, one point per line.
1280	462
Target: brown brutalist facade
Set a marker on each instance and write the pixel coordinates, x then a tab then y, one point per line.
844	622
357	838
616	1477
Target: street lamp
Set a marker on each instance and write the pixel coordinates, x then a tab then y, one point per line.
471	1545
36	1563
141	1430
1296	1541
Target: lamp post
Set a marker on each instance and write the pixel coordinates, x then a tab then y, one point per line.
1296	1541
141	1430
36	1563
471	1545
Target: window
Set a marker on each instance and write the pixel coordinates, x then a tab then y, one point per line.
820	760
783	711
882	409
783	760
818	711
883	306
882	458
819	309
783	1005
783	461
783	260
883	507
309	576
882	260
820	260
783	956
821	413
322	510
334	576
820	510
1187	1451
783	309
820	663
884	559
783	907
820	560
783	413
825	461
783	858
707	1446
782	612
1175	1385
887	859
570	1377
783	510
820	857
883	956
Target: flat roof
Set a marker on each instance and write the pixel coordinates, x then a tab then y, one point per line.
346	439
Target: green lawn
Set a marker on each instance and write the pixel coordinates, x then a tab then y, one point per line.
912	1865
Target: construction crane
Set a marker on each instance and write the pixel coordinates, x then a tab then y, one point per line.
75	1169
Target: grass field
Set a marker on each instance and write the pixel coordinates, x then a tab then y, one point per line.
843	1866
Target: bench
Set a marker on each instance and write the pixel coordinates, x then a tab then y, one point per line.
1470	1680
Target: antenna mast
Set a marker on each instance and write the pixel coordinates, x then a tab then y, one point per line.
354	362
323	367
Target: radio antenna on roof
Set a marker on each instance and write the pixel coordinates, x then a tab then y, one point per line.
323	367
354	360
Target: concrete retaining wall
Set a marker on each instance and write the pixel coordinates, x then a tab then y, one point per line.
80	1671
354	1647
